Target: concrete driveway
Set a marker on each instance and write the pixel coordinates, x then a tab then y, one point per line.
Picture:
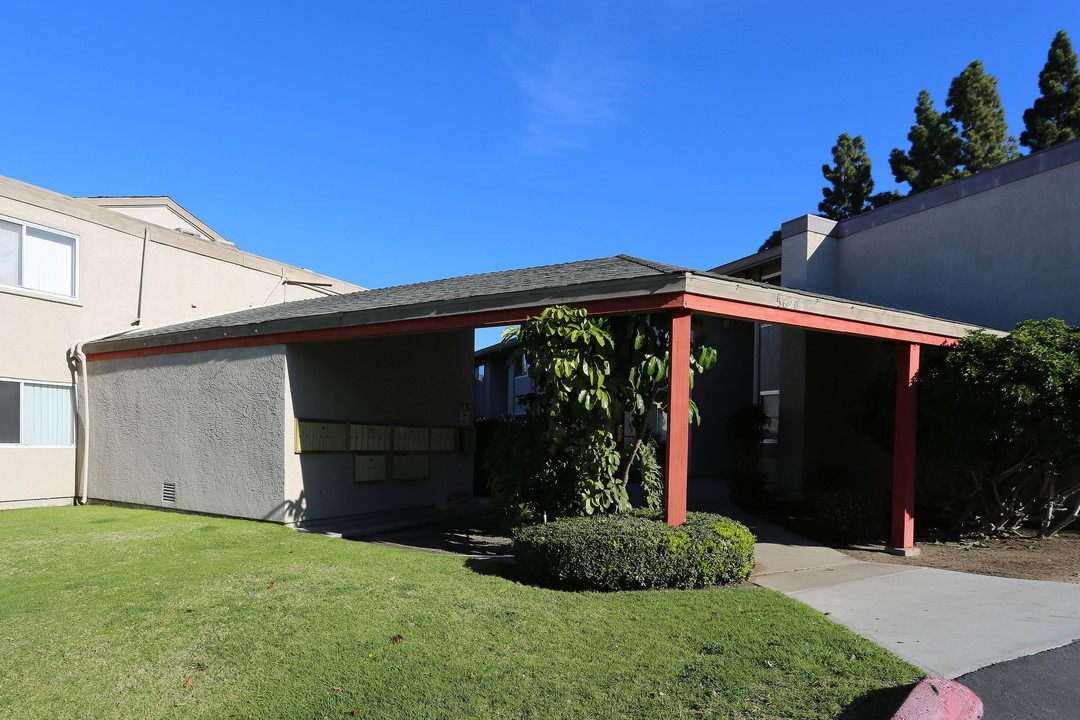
947	623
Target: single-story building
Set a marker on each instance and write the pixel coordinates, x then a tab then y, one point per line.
362	403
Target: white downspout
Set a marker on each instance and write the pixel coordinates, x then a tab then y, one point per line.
77	357
82	415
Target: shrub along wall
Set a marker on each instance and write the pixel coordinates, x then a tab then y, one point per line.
635	551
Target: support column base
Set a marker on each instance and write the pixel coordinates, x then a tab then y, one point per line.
903	552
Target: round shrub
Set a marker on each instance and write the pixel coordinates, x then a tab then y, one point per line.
635	551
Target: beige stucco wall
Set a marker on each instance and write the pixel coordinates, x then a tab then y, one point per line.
407	380
156	214
185	277
35	476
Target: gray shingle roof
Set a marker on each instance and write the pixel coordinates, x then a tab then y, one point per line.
619	267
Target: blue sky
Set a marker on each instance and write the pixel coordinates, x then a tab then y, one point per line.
394	142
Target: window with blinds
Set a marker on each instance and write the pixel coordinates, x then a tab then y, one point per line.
33	413
36	258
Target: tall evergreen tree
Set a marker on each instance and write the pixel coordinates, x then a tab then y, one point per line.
935	150
849	176
975	107
1055	116
774	240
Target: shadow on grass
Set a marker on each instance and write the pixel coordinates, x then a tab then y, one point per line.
505	568
876	704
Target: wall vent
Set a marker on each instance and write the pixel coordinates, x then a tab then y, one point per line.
168	492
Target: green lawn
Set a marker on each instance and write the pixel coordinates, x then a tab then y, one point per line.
118	613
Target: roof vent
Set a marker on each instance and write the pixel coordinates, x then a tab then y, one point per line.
168	492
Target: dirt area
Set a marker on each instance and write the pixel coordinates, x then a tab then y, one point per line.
1056	558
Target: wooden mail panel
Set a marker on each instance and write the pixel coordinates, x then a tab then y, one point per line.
315	436
370	438
369	468
411	439
443	439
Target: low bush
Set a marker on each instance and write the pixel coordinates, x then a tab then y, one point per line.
635	551
851	516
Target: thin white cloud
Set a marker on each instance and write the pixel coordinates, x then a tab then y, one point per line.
573	77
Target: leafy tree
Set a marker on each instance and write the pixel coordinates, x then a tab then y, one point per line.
934	156
1055	116
590	374
999	421
975	108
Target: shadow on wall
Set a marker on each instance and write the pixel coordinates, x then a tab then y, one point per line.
289	511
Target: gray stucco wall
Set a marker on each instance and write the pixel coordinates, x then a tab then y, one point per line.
210	422
407	380
997	257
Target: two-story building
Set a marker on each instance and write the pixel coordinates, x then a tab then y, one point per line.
72	269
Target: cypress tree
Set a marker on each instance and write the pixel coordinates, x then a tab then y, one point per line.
935	150
975	107
1055	116
851	185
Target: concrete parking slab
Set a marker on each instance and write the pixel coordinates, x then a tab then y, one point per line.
792	582
952	623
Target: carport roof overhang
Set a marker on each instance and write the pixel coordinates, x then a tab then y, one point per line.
470	302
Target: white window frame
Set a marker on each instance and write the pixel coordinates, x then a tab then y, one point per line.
22	409
23	225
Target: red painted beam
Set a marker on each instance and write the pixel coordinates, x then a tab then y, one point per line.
493	318
678	441
903	503
801	318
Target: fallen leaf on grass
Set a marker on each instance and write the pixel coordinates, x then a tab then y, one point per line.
188	683
398	638
392	577
292	551
270	586
357	711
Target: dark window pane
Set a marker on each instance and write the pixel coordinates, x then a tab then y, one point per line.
9	412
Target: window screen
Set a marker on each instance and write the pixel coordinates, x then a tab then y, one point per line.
48	415
9	252
47	262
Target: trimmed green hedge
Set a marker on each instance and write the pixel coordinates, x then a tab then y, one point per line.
635	551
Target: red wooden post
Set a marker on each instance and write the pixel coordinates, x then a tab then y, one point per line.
903	504
678	437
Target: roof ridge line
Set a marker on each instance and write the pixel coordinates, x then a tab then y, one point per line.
658	267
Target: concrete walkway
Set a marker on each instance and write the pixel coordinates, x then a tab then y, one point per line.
947	623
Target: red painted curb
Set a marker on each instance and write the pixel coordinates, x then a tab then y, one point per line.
936	698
